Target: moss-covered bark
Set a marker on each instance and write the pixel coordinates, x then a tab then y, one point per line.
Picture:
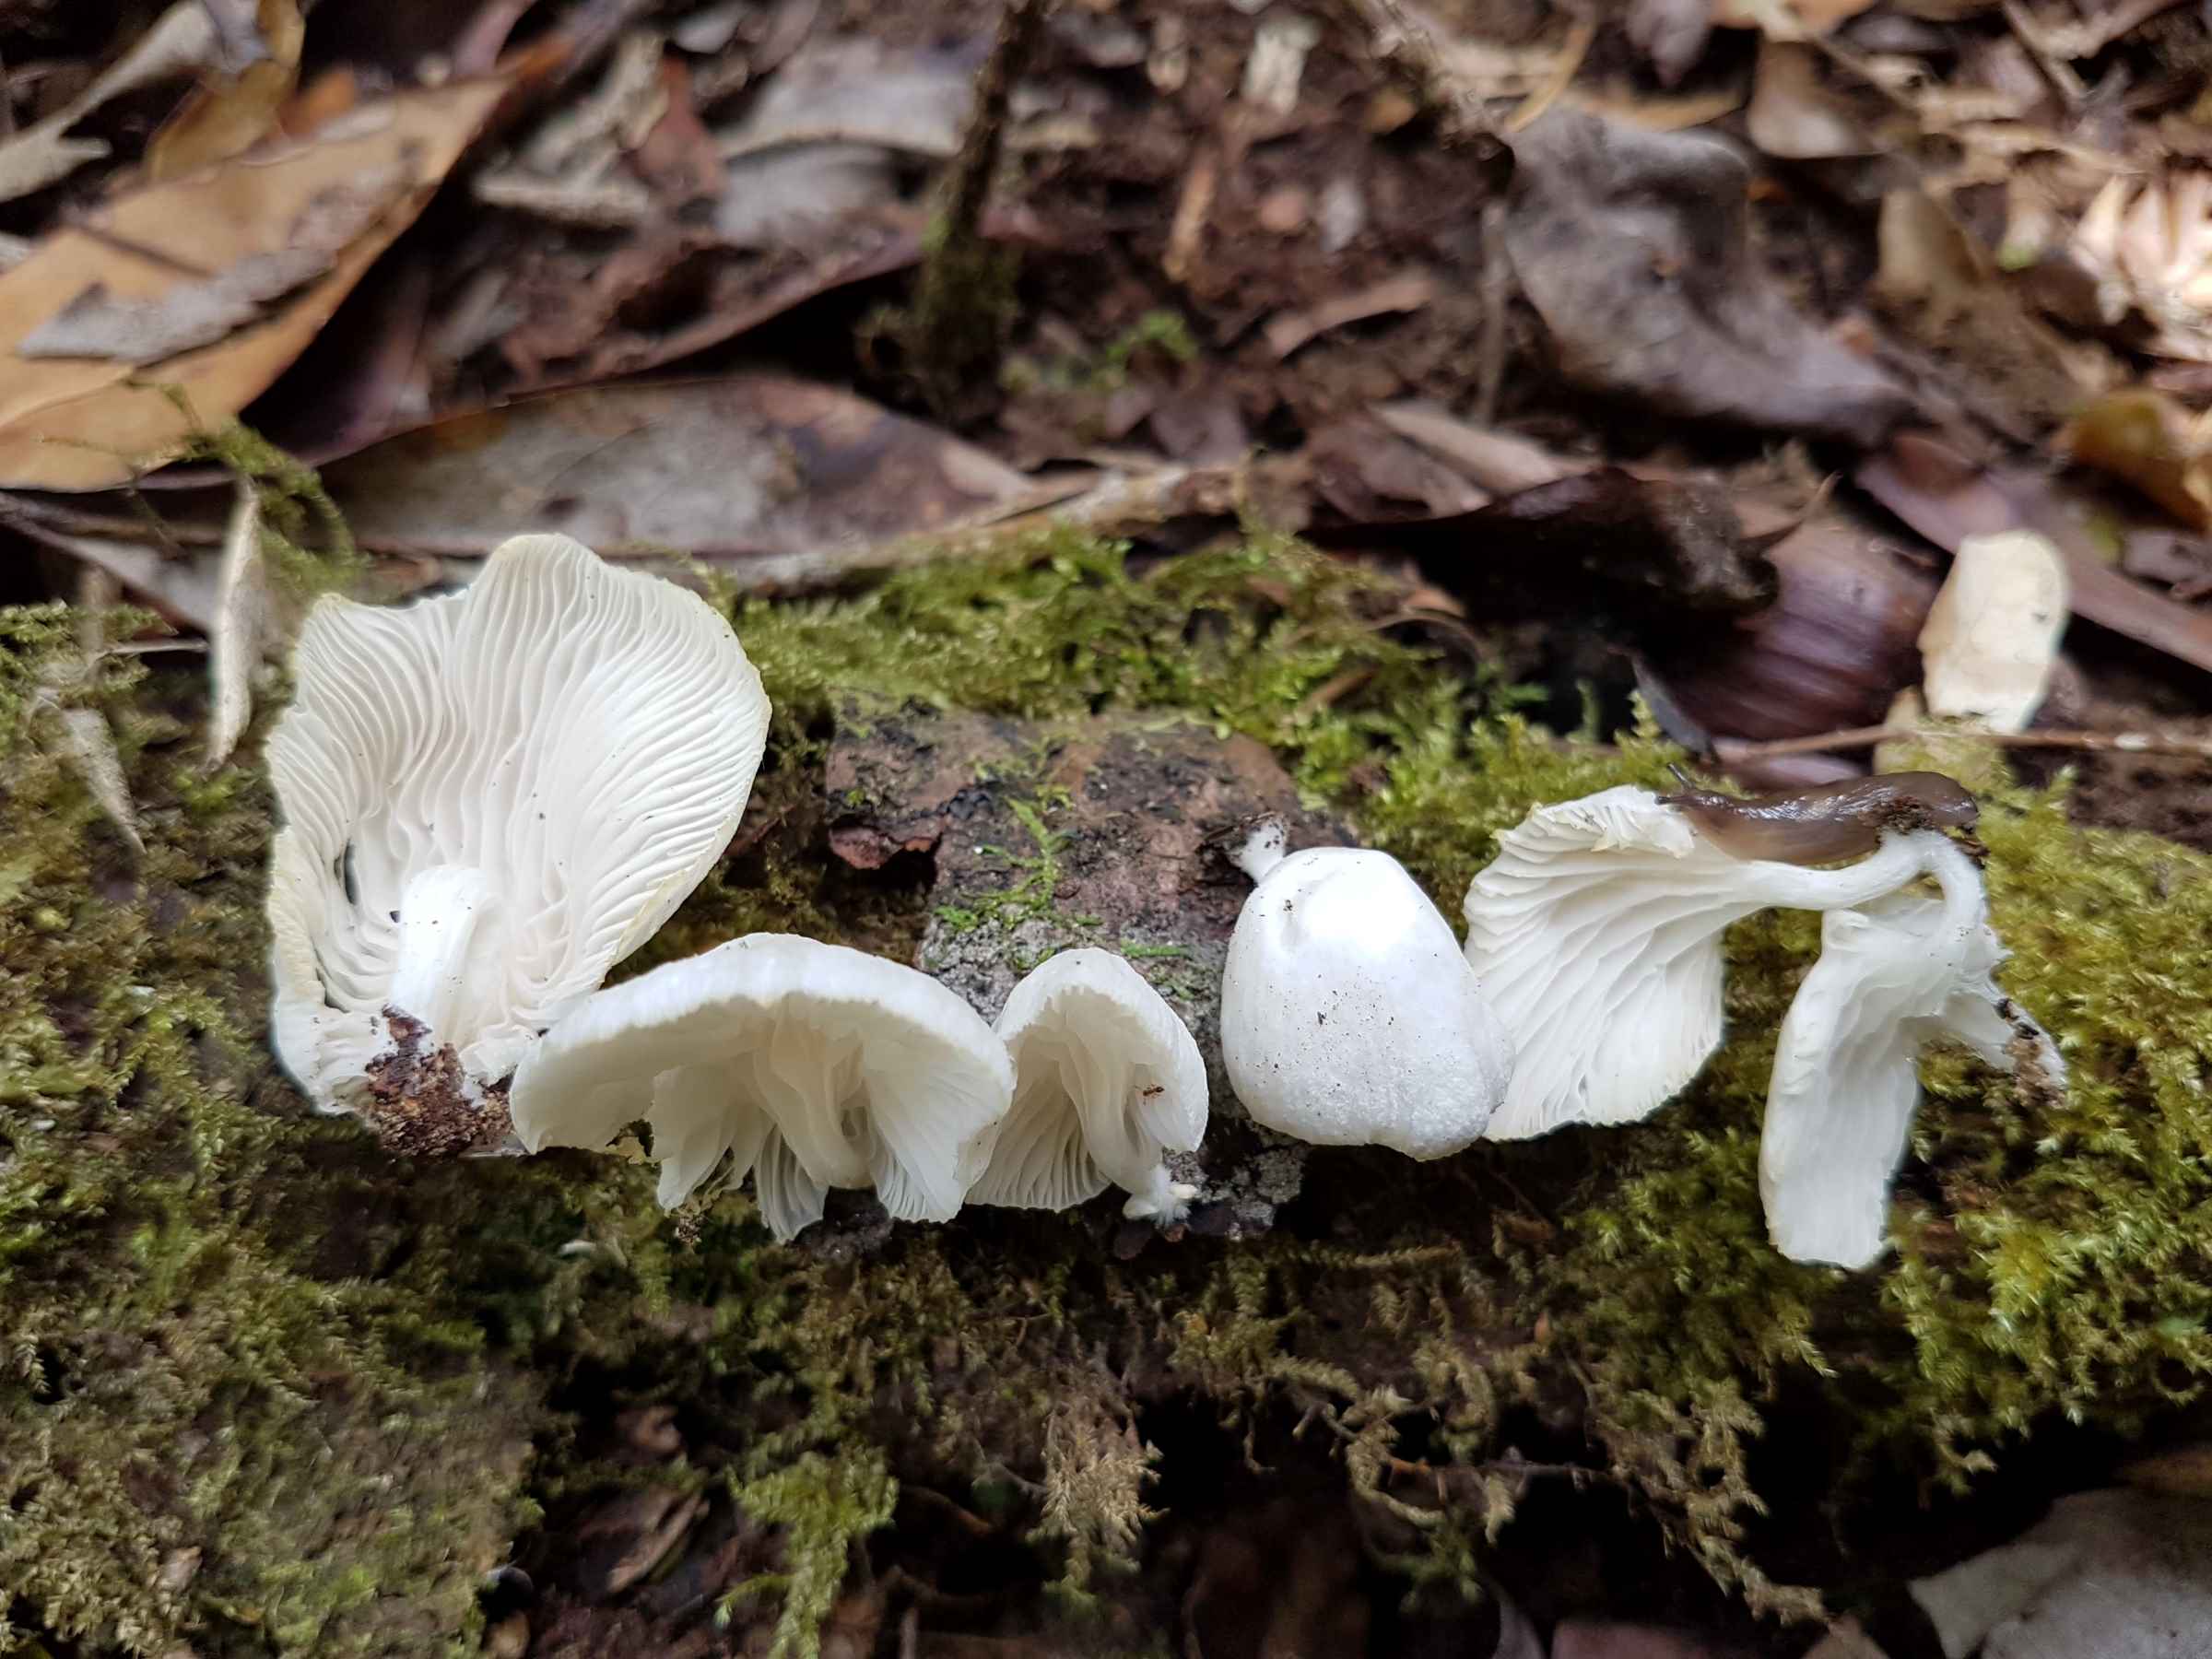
266	1389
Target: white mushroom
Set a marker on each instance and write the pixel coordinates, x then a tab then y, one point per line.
811	1065
1596	935
488	801
1892	977
1349	1017
1106	1079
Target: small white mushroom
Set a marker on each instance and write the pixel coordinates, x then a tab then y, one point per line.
1106	1079
1349	1017
1596	935
1898	974
811	1065
489	800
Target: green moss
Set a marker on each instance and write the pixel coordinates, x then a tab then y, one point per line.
240	1331
824	1506
203	1429
1165	333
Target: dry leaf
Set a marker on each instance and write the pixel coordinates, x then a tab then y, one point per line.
1635	250
2148	439
185	40
2185	1471
1788	19
98	324
793	481
219	121
90	423
1797	116
234	644
1941	286
2151	253
821	143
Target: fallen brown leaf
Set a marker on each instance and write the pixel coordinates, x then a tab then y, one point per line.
89	422
1651	553
227	118
791	478
1788	19
1797	116
2146	439
2185	1471
1832	650
1634	248
1939	286
184	40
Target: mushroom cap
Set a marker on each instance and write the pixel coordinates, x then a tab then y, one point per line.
491	798
1899	973
812	1064
1106	1079
1349	1017
1596	935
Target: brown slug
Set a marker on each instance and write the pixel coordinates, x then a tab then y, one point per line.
1827	823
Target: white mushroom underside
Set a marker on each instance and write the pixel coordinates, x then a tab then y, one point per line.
808	1066
1106	1079
1596	935
489	799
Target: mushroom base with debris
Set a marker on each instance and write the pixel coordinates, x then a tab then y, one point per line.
445	1351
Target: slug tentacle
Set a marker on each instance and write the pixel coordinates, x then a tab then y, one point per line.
1827	823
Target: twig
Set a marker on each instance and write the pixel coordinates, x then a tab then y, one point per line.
1730	751
1401	36
970	183
963	294
1497	297
1564	68
2056	68
738	147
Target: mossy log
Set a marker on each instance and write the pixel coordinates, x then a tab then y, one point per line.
267	1389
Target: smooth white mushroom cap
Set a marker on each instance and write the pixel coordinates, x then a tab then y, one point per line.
1596	935
1349	1017
1892	977
1106	1079
812	1065
489	799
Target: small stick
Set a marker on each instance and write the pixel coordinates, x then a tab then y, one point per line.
1564	68
951	332
1400	35
1497	295
1730	751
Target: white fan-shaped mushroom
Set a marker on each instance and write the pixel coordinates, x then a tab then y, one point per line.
811	1065
1899	973
1349	1017
1596	935
489	800
1106	1079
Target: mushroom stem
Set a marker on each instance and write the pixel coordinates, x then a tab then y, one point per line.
797	1076
1265	846
1158	1198
438	915
1965	901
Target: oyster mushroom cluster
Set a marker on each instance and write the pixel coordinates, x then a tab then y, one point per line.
1590	988
491	799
